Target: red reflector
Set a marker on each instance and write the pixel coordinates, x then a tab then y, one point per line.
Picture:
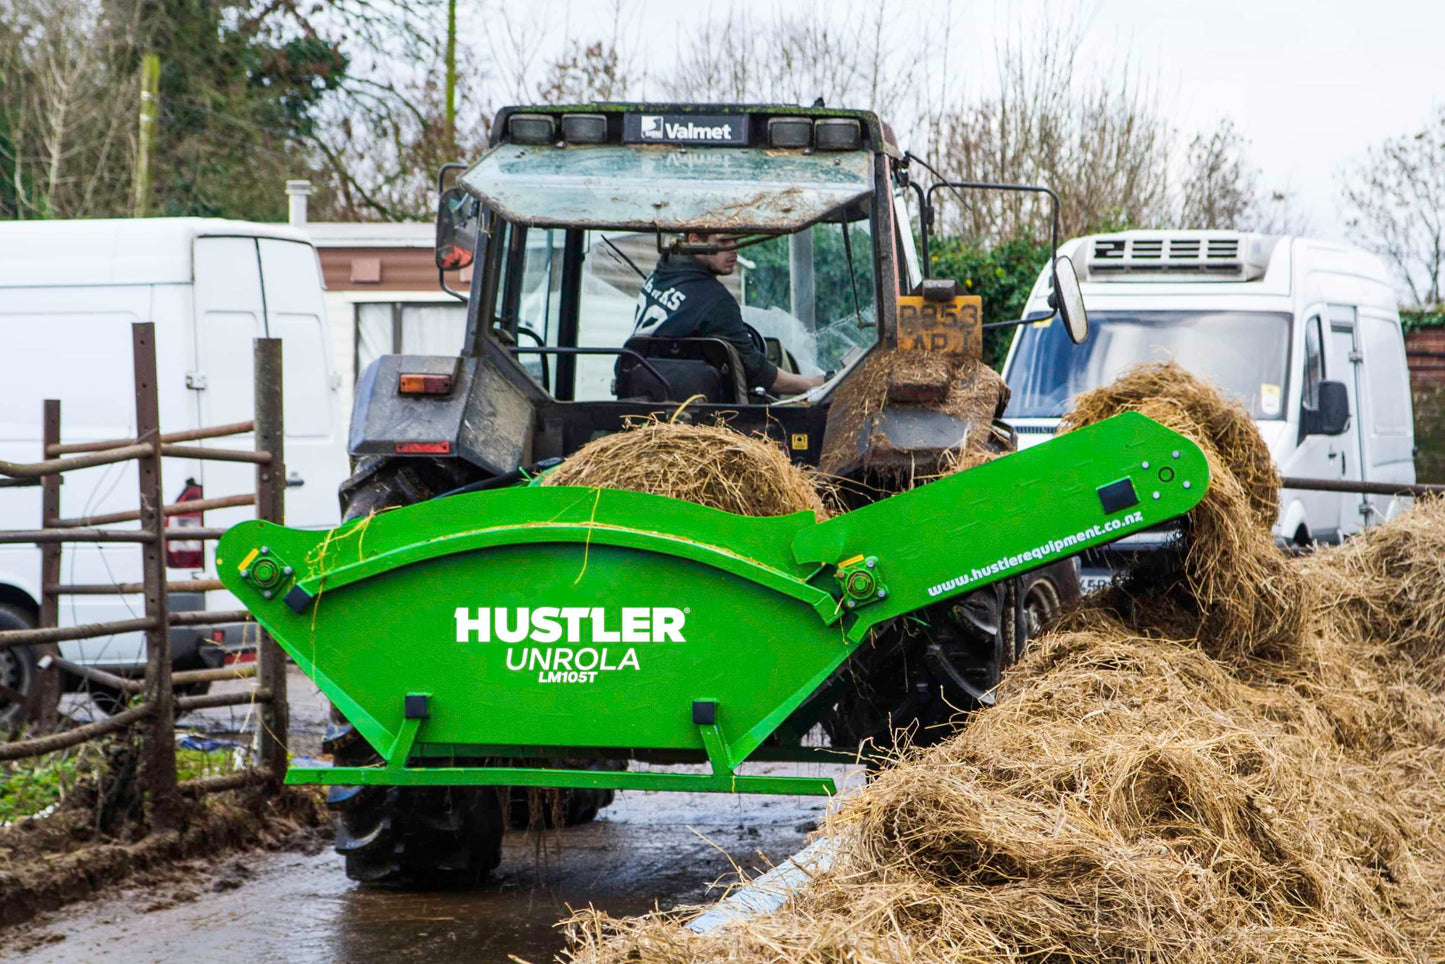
421	384
218	635
243	656
185	553
423	448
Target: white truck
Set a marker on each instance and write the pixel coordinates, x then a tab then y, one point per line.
1300	331
69	291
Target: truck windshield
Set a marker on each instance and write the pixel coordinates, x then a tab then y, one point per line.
796	290
1244	353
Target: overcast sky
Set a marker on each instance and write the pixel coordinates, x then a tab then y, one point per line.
1311	83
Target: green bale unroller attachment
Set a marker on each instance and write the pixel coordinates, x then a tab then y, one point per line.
473	638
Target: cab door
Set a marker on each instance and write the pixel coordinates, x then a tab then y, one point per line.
1348	447
1315	456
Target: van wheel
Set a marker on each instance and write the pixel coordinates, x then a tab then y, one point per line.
19	671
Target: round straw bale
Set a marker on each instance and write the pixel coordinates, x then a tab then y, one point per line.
1384	585
710	465
1232	583
1225	425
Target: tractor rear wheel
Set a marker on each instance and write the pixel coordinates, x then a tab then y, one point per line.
411	836
916	677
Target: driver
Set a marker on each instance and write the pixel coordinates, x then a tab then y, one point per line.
683	298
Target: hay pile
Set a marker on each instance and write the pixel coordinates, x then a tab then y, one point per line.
1185	778
966	389
708	464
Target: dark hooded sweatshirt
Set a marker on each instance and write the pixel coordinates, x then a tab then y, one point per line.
683	299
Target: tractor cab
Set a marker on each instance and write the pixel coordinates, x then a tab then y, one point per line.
576	218
622	261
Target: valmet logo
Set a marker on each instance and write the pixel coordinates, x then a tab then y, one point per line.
722	129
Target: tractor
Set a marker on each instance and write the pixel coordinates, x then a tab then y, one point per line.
897	615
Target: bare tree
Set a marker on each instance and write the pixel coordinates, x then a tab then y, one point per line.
68	115
1218	187
837	52
1105	149
1397	197
583	74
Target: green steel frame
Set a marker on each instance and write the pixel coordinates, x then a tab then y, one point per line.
468	635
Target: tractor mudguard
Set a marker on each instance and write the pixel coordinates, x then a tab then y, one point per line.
572	622
480	417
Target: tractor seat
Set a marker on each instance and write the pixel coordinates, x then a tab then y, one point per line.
709	367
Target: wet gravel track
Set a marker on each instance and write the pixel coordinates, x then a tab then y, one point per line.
647	849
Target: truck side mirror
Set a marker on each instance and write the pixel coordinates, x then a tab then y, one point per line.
458	221
1332	415
1068	300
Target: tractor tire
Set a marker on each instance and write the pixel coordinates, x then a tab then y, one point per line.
903	688
407	836
411	836
19	669
1045	593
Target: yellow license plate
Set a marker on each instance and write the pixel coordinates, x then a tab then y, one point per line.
943	327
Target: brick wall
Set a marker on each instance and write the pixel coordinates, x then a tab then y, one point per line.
1425	350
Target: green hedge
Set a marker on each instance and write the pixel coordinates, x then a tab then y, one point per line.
1001	276
1414	319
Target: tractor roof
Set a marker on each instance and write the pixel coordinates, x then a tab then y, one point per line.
651	167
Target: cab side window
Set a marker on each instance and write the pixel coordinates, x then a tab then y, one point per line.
1314	362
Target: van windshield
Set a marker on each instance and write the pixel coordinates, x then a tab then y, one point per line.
1244	353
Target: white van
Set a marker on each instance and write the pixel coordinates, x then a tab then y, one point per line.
1268	320
69	291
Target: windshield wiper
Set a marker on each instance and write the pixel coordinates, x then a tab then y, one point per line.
618	251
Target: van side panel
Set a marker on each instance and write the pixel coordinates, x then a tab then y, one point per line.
74	343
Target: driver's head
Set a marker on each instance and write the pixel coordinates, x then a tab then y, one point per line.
725	261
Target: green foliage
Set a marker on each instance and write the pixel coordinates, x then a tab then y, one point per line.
1002	276
1414	319
237	97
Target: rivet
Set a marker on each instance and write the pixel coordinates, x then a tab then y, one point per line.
871	563
1146	465
1175	453
245	574
267	549
1156	495
883	594
266	594
286	571
1188	484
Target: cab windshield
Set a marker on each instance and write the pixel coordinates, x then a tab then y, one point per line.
796	290
1243	353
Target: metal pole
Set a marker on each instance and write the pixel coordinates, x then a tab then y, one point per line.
158	765
150	79
1369	488
271	506
46	704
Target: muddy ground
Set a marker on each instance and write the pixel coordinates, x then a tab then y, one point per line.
649	848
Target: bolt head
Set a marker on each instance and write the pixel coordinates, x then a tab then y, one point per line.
1188	484
883	594
286	571
266	549
1146	465
849	604
245	574
266	595
870	563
